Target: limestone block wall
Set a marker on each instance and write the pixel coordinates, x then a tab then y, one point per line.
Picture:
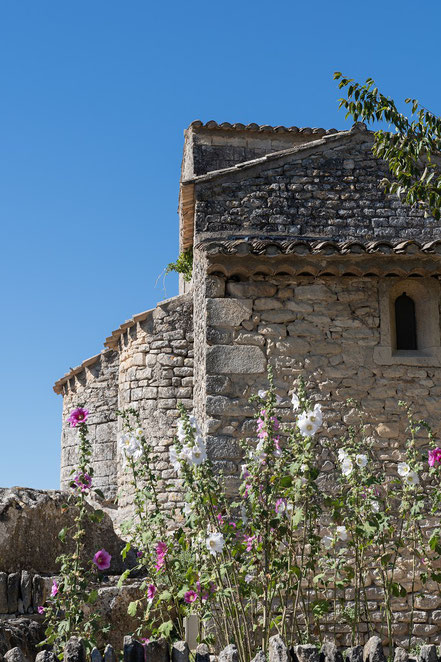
95	385
155	373
326	329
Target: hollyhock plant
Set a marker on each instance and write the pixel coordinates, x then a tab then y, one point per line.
102	559
161	551
77	416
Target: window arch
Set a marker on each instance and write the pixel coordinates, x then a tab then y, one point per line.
405	323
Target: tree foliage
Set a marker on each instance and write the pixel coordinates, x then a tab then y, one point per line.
412	152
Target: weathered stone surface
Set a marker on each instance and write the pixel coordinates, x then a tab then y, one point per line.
3	593
95	655
133	650
277	651
74	650
38	591
202	653
26	589
373	650
46	656
21	632
251	289
41	515
180	652
307	653
242	359
330	653
229	654
109	654
157	651
14	655
354	654
228	312
428	653
401	655
13	592
259	657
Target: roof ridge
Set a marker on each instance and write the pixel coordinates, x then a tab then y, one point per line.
261	128
357	128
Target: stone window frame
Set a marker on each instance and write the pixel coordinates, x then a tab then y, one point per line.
425	293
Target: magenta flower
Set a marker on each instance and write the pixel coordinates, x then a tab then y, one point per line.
151	591
190	596
249	541
78	415
139	555
434	457
145	640
83	481
102	559
161	551
54	589
40	609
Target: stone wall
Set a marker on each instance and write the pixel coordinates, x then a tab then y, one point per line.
155	373
331	190
95	385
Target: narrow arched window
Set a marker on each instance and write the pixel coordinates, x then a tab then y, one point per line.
405	322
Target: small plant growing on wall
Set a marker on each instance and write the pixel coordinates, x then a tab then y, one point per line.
183	265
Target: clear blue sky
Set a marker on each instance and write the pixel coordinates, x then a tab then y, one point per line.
95	96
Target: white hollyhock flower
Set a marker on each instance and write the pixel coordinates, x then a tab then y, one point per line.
306	425
403	469
180	432
174	458
347	466
198	453
215	543
412	478
249	578
187	509
130	446
342	533
327	542
295	402
342	454
361	460
262	394
289	509
375	506
139	433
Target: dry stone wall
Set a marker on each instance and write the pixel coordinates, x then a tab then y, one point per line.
333	191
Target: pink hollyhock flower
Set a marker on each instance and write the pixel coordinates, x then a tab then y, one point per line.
220	519
78	415
102	559
161	551
276	424
54	589
40	609
434	457
83	481
151	591
190	596
139	555
249	541
145	640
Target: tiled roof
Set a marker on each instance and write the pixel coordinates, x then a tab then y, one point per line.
308	246
237	126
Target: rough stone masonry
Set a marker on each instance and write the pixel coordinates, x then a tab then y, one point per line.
298	260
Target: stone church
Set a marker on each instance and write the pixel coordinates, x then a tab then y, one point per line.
301	262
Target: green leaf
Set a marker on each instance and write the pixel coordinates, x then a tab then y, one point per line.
125	550
133	608
62	534
93	597
123	577
166	628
